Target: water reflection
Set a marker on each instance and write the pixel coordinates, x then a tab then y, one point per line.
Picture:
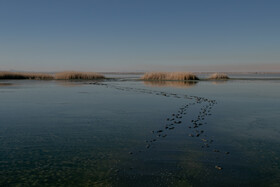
176	84
5	84
68	83
219	82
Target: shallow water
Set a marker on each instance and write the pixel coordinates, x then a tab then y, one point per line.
122	133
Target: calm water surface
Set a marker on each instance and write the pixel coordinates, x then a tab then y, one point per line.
134	133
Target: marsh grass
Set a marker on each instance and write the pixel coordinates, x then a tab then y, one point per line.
218	76
23	75
164	76
71	75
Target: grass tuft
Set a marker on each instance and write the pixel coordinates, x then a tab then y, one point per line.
176	76
70	75
23	75
219	76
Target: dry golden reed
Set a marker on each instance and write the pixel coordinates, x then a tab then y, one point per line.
43	76
23	75
178	76
69	75
219	76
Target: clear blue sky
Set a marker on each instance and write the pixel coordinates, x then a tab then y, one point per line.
130	35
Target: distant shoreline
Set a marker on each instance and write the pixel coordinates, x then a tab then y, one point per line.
147	76
143	72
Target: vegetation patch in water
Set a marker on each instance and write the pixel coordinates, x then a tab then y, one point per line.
179	76
69	75
24	75
219	76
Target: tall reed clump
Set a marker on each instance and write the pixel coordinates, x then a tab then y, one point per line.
218	76
70	75
161	76
23	75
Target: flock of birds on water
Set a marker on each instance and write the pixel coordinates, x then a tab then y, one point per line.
175	119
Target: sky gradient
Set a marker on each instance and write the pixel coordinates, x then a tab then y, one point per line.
143	35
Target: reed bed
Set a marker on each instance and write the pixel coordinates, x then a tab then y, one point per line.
23	75
175	76
70	75
218	76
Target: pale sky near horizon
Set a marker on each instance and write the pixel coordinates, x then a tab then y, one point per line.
143	35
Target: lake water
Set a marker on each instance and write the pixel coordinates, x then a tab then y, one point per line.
135	133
